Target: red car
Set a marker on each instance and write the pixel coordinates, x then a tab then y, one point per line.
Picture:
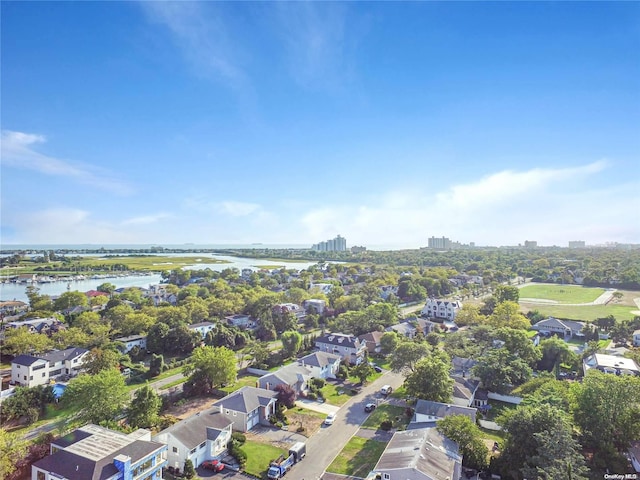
215	465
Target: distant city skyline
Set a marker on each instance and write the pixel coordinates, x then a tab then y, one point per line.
286	123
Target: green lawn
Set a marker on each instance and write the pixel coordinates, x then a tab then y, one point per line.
399	392
259	456
174	383
358	457
335	395
496	436
245	381
562	293
386	412
586	313
497	408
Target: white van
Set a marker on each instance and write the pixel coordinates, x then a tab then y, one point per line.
386	390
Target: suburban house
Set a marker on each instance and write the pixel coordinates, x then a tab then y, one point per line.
294	375
426	326
296	310
445	309
32	370
131	341
159	294
428	412
297	375
461	366
610	364
372	341
419	454
203	436
321	287
566	329
404	329
636	338
387	290
240	321
247	407
634	456
314	305
97	453
37	325
13	307
202	328
347	346
464	391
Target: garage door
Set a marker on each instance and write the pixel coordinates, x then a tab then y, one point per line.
253	421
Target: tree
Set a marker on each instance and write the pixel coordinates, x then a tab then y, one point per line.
362	371
156	365
37	302
430	379
210	367
606	323
519	344
106	288
97	398
505	293
554	351
469	315
407	354
18	341
12	449
156	338
144	408
507	314
70	337
498	370
286	395
189	471
98	360
539	444
70	300
469	438
291	342
604	410
181	340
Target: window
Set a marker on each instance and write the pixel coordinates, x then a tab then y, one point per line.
235	414
175	449
43	374
192	451
202	445
41	475
386	476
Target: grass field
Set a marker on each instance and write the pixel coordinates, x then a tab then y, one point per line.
335	395
259	456
358	457
587	313
386	412
246	381
561	293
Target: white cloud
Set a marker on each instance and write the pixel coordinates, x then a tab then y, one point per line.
18	151
505	208
200	32
146	219
239	209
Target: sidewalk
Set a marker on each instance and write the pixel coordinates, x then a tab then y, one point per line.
317	406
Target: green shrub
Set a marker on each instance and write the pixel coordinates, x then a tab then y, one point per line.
312	396
317	382
239	437
386	425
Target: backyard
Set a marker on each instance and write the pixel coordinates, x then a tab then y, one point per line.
358	457
384	412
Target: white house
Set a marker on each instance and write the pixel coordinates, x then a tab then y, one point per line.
610	364
315	305
203	436
202	328
404	329
636	338
31	370
247	407
321	287
240	321
445	309
349	347
429	412
293	308
131	341
322	364
294	375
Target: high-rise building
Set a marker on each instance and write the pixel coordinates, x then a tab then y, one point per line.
338	244
530	244
577	244
443	243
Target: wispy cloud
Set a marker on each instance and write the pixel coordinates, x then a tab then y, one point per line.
199	30
548	205
146	219
19	151
316	42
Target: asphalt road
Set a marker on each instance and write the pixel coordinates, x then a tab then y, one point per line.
327	443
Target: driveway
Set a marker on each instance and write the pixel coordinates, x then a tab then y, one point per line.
275	435
317	406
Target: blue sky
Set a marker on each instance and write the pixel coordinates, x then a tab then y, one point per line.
388	123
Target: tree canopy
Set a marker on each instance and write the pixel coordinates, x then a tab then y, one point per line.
97	398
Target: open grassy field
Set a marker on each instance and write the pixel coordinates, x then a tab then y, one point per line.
561	293
358	457
386	412
587	313
259	456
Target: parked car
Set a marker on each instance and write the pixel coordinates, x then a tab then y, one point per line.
377	368
215	465
330	419
369	407
386	390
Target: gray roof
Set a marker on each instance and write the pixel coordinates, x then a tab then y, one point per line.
194	430
373	337
464	387
421	454
247	399
441	410
461	365
63	355
402	328
289	374
25	360
320	359
574	326
130	338
339	339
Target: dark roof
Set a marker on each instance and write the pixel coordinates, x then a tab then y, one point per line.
130	338
247	399
71	438
194	430
338	339
462	365
464	387
25	360
554	322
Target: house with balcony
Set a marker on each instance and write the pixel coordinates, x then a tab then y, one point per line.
444	309
33	370
349	347
97	453
247	407
201	437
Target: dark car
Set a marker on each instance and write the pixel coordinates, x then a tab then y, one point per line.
369	407
215	465
377	368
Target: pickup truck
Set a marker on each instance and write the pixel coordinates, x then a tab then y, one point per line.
282	465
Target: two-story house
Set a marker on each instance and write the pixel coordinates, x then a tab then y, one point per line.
32	370
247	407
131	341
202	328
93	452
203	436
349	347
297	375
566	329
240	321
445	309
